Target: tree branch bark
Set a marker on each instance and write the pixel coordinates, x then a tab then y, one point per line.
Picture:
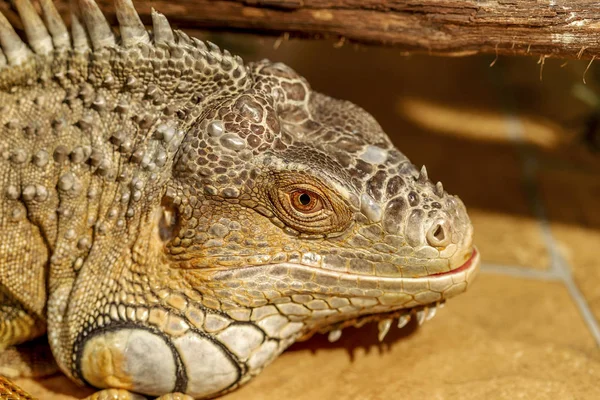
551	28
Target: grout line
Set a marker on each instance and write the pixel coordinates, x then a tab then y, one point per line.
559	267
520	272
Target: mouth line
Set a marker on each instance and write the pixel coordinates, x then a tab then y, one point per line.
463	267
468	265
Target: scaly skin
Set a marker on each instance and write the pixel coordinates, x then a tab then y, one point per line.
174	219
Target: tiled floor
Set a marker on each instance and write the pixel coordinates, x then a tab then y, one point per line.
507	143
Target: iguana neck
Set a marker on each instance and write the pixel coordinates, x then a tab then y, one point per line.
101	128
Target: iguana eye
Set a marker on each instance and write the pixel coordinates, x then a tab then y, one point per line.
303	204
307	205
306	201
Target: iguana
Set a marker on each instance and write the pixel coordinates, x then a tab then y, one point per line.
173	219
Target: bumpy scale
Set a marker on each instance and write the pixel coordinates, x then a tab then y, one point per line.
174	219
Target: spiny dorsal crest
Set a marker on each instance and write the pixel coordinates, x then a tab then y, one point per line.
91	37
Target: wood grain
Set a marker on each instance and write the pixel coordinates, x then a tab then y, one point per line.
552	28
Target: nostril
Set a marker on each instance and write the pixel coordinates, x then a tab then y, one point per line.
438	234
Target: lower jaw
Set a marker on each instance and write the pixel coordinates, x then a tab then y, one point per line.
403	316
421	313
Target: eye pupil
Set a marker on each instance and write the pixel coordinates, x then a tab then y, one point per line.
304	199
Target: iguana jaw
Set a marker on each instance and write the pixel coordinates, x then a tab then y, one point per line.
344	296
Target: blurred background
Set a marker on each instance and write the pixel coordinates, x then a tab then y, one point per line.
517	139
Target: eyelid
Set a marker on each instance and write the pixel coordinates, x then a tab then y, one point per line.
292	187
332	215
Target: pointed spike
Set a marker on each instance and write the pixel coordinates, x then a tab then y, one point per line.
423	175
213	48
163	33
431	313
439	189
200	45
183	38
384	327
210	57
56	25
226	63
81	42
420	317
334	335
132	29
37	34
15	50
97	26
238	60
403	320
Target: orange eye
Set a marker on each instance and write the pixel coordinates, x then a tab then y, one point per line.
306	201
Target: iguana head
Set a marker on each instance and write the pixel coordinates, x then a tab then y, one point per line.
292	202
290	212
230	210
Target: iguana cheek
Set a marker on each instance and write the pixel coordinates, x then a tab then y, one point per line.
132	359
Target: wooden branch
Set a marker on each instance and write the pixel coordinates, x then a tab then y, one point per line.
547	28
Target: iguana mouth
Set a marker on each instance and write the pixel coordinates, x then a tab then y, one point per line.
420	313
472	259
